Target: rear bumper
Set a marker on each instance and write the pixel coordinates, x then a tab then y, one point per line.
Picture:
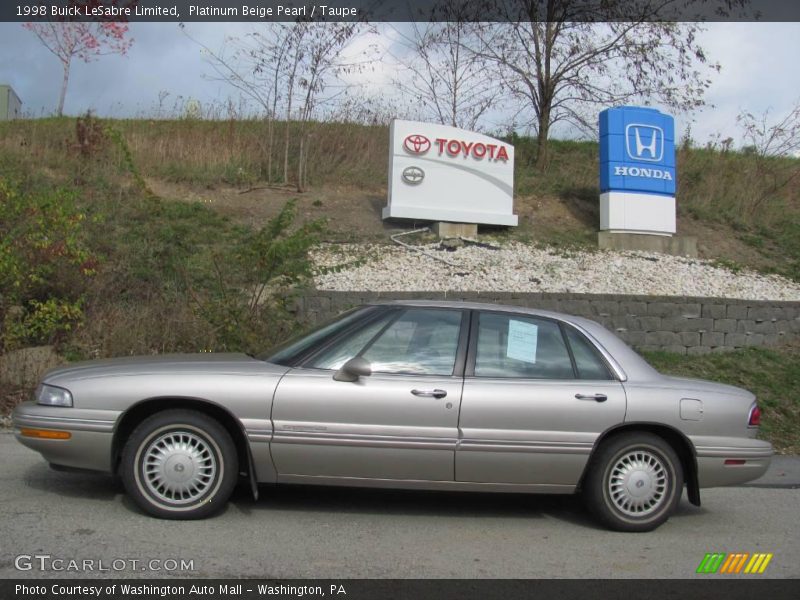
751	462
91	434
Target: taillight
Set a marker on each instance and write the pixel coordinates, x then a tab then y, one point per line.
755	416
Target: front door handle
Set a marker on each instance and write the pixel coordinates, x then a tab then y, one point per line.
595	397
430	393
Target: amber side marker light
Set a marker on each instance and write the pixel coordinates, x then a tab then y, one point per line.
47	434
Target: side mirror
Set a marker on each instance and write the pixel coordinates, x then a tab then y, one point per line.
353	369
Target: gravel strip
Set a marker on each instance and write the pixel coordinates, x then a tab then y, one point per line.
517	267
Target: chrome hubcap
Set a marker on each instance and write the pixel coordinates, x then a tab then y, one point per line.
179	467
638	483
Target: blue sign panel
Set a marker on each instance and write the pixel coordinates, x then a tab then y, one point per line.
637	151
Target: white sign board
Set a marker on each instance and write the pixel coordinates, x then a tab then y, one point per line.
441	173
522	341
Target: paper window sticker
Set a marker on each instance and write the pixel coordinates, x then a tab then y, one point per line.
522	340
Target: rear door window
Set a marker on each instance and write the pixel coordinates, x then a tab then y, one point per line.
521	347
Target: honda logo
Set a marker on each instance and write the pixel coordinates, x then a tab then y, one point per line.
413	175
644	142
417	144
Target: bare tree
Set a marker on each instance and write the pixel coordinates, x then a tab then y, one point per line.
768	141
320	76
562	67
287	68
770	138
445	78
254	65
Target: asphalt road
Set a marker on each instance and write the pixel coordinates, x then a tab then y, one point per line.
346	533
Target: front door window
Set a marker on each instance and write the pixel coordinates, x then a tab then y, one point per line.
420	342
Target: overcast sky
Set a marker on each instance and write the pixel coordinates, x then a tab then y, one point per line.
759	61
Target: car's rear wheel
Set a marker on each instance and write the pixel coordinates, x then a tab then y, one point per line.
179	464
634	483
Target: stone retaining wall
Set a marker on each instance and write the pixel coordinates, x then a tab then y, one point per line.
675	324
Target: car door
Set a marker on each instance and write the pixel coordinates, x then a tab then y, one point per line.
537	394
400	422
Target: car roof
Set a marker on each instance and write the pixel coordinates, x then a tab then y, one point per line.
575	320
627	363
477	306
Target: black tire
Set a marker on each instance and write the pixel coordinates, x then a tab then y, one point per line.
621	466
179	464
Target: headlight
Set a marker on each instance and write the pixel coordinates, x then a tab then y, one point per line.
51	395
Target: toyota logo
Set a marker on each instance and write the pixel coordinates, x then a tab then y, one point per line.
417	144
413	175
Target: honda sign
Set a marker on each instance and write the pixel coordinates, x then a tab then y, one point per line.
637	171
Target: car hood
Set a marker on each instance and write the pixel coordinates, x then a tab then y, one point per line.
231	363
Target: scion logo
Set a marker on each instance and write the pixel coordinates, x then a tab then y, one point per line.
734	563
644	142
417	144
413	175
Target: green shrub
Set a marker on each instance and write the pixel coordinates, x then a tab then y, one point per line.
44	264
249	307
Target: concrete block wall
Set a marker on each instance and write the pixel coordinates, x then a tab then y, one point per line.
671	323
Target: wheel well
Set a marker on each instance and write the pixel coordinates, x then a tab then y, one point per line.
682	446
139	412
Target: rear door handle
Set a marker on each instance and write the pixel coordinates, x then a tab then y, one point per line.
595	397
430	393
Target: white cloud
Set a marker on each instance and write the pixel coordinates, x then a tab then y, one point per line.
759	71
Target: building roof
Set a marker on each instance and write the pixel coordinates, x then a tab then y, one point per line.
11	89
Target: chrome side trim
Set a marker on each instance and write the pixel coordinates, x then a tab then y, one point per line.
71	423
257	430
430	443
349	439
733	452
418	484
477	445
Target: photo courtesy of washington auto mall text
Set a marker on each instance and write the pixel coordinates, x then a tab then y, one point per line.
176	590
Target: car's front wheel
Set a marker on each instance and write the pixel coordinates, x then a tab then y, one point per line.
179	464
634	482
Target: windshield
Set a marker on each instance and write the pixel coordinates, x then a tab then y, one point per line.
285	353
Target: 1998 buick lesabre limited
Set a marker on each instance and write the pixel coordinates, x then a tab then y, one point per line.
427	395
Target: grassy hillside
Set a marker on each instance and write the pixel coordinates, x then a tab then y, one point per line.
744	210
135	237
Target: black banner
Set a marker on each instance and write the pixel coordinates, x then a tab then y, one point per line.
398	10
731	588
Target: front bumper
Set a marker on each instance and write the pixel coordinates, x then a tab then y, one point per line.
745	463
91	434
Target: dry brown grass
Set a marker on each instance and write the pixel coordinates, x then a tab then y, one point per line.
214	152
743	210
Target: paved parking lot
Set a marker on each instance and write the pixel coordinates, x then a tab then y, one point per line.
335	533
